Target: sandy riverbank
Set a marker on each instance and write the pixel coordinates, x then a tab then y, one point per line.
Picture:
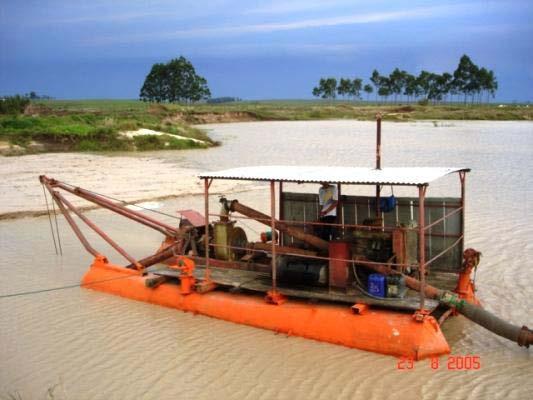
128	178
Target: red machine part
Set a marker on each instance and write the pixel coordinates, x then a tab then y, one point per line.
339	253
186	267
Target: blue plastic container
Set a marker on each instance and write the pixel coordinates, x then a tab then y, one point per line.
377	285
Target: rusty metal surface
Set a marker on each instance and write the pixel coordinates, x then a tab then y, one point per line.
348	175
118	208
100	232
267	220
194	217
339	252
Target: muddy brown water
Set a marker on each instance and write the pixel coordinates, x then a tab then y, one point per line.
80	344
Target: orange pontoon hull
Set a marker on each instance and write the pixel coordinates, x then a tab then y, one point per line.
380	331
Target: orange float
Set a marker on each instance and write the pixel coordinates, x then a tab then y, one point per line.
380	331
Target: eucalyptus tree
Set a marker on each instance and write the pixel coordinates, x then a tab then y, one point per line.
473	86
368	89
434	89
423	81
454	90
465	77
487	83
397	82
468	79
384	91
355	88
411	88
474	81
437	86
326	89
443	85
345	87
404	77
317	91
384	87
490	84
330	88
375	78
481	82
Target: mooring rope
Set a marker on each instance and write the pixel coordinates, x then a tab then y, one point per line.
50	219
63	287
57	228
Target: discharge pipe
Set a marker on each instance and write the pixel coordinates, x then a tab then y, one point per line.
521	335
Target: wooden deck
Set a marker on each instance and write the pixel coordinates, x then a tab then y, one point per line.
261	282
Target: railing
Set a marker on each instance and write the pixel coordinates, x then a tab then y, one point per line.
355	227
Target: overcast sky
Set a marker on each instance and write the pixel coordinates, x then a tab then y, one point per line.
256	49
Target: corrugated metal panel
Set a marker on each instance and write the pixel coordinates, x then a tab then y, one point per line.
346	175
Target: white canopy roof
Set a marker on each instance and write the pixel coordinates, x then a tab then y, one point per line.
348	175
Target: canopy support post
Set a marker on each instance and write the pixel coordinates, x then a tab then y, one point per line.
273	228
273	296
340	213
462	177
281	214
378	161
422	243
207	184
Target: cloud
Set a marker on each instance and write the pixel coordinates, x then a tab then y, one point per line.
301	49
354	19
103	11
296	6
122	17
496	29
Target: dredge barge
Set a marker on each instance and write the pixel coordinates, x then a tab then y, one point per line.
383	276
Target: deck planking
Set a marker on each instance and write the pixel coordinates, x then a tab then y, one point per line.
261	282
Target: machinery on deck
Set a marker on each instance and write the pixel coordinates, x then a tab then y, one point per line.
401	257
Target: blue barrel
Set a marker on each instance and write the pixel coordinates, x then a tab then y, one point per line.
376	285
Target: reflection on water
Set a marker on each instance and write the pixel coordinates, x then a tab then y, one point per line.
85	344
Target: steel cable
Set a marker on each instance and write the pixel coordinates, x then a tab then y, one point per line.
123	201
50	219
63	287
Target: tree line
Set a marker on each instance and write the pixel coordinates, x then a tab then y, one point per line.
17	104
468	82
224	99
13	104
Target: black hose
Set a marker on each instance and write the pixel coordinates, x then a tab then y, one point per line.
523	336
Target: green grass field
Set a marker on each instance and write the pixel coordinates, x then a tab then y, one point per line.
94	125
305	109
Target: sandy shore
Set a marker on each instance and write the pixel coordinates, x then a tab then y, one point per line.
145	132
131	179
